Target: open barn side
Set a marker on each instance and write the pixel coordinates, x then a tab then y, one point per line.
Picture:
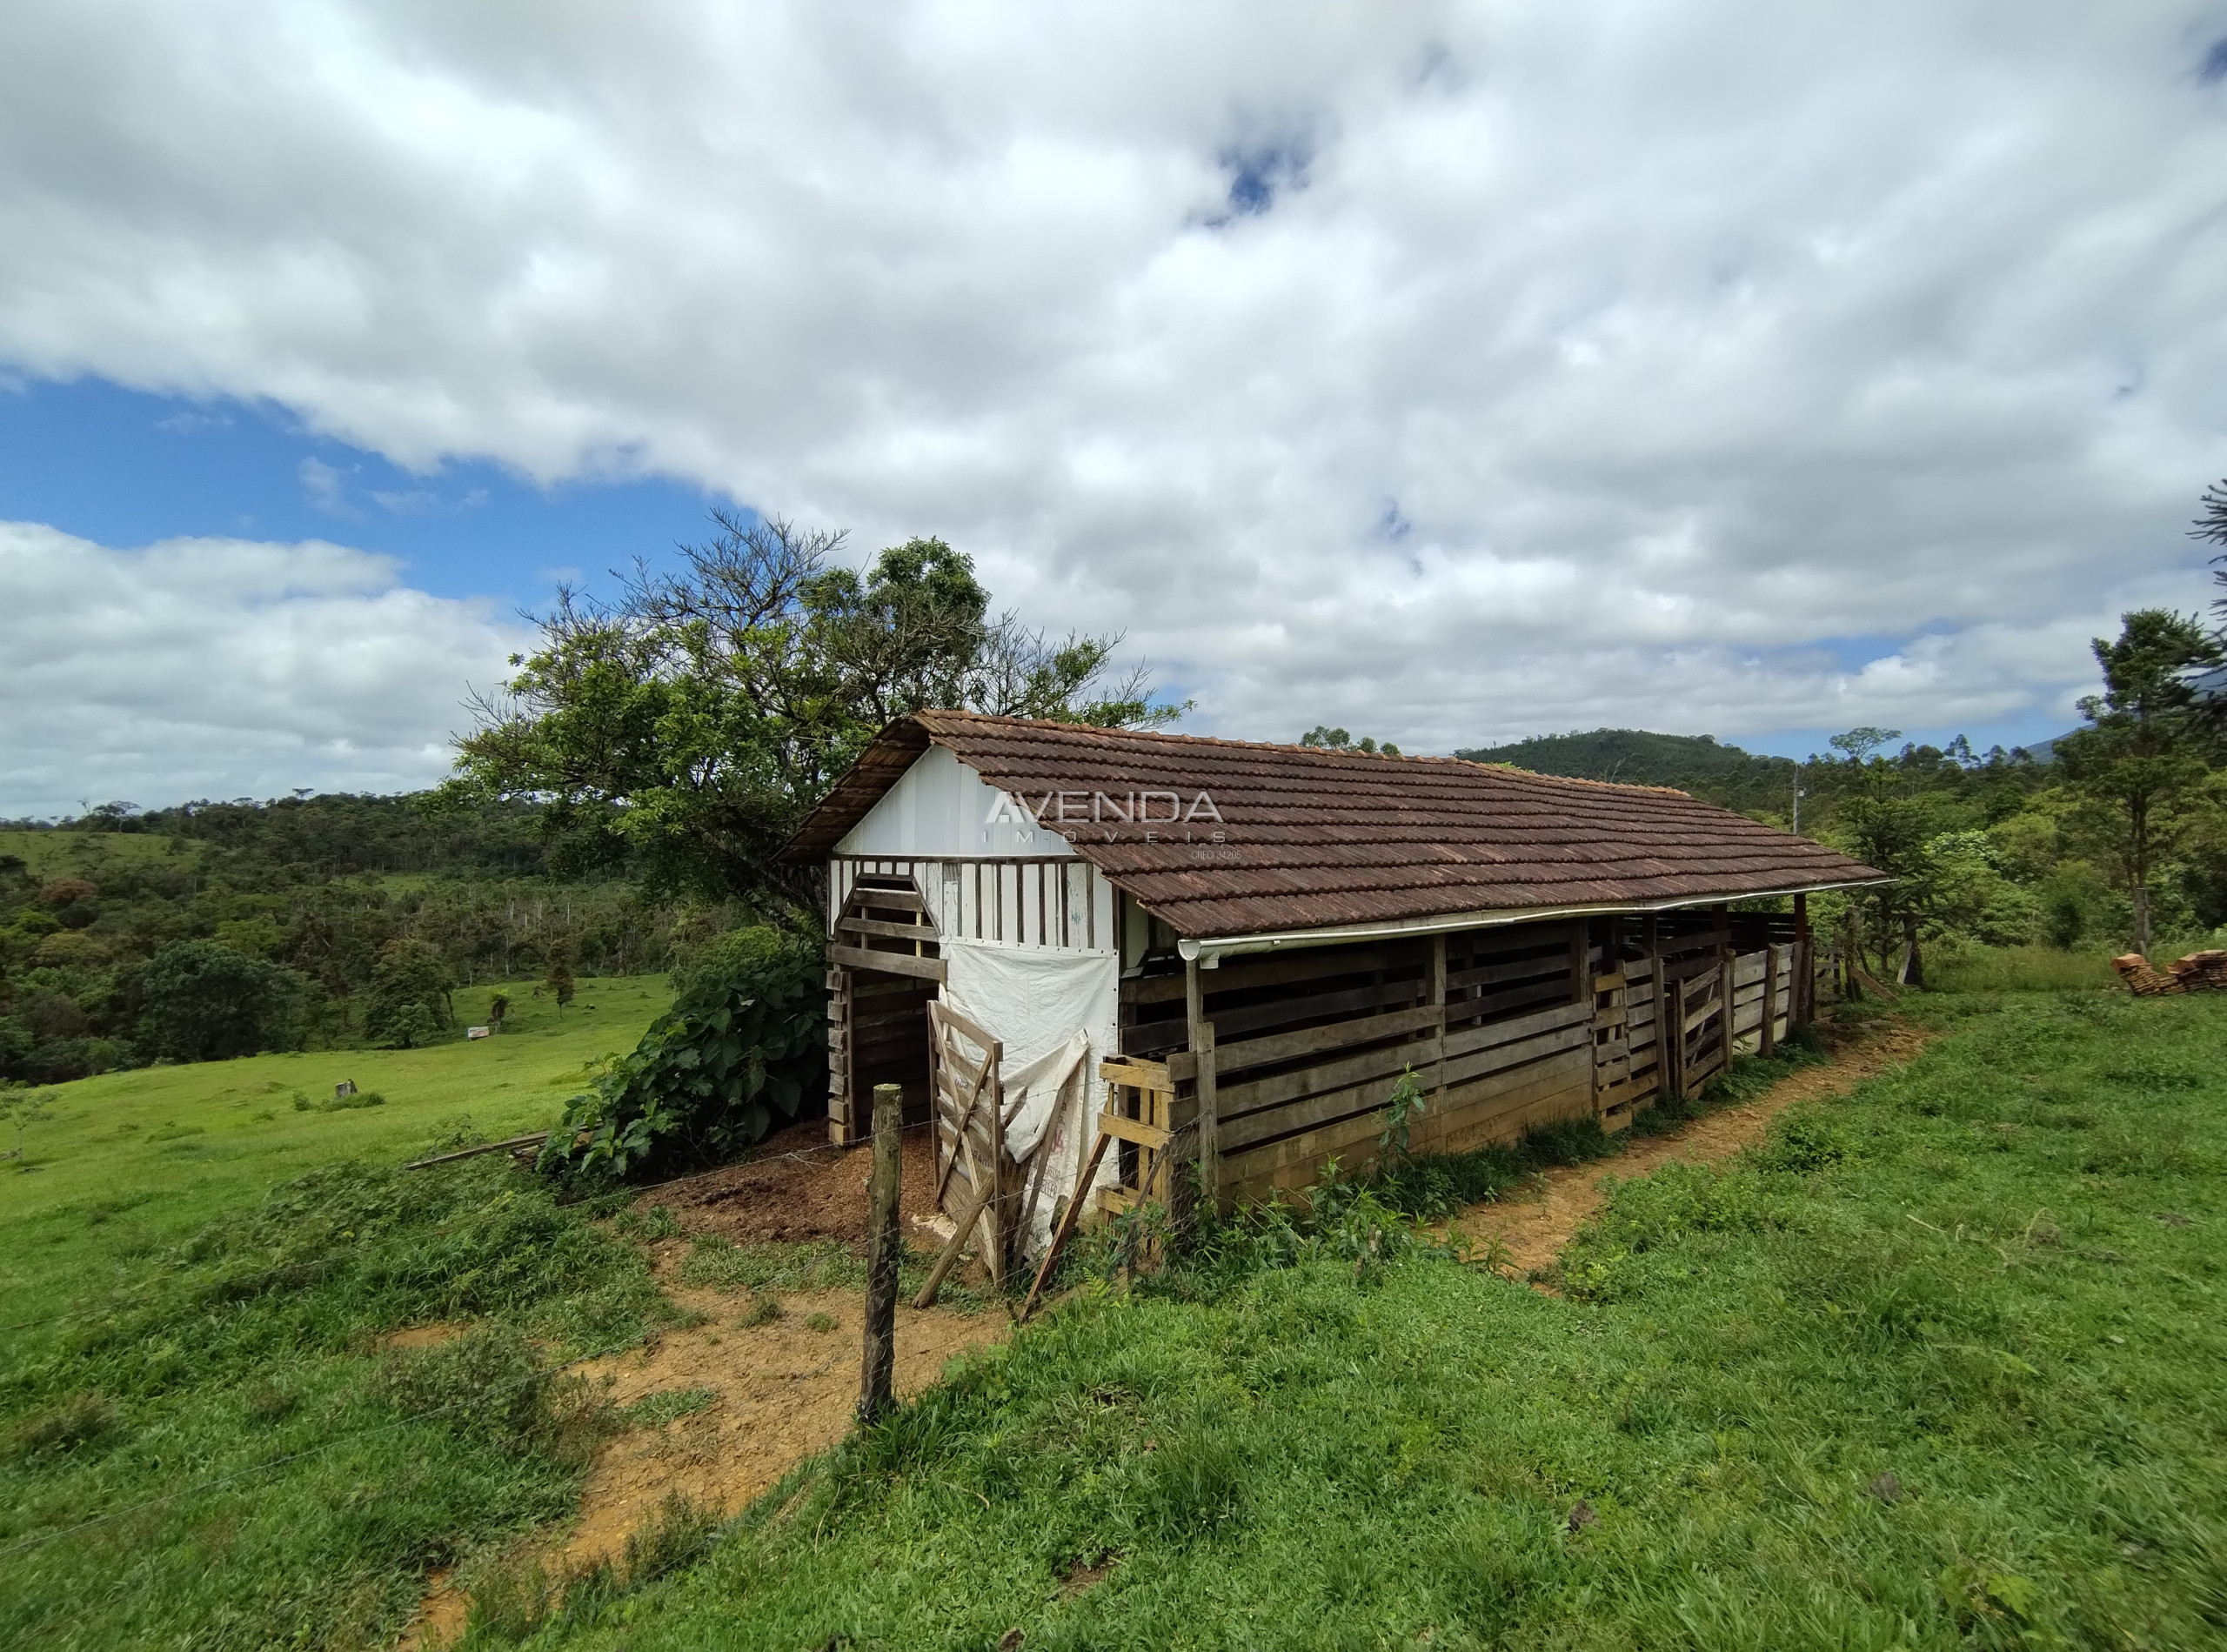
1285	1062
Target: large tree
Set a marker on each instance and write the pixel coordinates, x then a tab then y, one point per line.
2212	523
1886	819
2142	759
690	724
204	1002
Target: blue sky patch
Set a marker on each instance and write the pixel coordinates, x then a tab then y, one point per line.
126	468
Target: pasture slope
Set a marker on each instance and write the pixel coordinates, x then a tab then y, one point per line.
122	1164
1937	1363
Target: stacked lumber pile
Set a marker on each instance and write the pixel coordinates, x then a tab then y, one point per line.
2204	972
2201	972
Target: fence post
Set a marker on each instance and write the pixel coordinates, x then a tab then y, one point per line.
1802	993
878	1366
1200	1033
1769	1041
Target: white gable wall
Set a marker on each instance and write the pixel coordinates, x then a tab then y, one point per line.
940	809
988	873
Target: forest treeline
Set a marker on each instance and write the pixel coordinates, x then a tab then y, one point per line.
620	804
214	929
2119	841
616	811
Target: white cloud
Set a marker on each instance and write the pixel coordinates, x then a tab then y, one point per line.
323	487
223	668
1683	343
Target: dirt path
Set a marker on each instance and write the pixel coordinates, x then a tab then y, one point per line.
767	1392
782	1391
1535	1229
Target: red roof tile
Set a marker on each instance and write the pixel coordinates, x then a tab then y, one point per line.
1311	838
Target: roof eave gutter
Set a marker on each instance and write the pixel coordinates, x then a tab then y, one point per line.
1210	951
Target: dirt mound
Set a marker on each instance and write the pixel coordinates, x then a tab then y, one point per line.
796	1188
1534	1230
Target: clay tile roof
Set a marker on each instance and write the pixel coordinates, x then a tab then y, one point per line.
1314	838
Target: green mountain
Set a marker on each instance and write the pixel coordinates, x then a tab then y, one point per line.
1694	763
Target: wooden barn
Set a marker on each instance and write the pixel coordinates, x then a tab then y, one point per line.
1245	947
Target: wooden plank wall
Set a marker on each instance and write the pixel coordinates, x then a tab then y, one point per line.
1505	1028
1030	901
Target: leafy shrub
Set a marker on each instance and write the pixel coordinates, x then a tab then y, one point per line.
744	1044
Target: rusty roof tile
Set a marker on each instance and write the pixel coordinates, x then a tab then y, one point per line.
1311	838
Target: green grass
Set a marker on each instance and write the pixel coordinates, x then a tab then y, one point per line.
126	1163
218	1452
1941	1365
1998	969
54	854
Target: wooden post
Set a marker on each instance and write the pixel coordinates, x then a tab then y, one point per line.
1201	1034
1438	1003
1727	967
1769	1041
1801	992
1669	1030
878	1366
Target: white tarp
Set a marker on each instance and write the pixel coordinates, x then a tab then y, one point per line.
1056	1011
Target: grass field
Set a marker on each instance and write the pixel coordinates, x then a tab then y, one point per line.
52	854
1942	1366
203	1440
127	1162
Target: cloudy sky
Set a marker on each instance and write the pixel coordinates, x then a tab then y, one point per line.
1451	372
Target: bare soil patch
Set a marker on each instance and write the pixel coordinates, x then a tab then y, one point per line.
1534	1230
765	1393
780	1392
796	1188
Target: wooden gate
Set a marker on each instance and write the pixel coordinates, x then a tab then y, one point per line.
1140	1103
1699	1026
969	1132
1623	1043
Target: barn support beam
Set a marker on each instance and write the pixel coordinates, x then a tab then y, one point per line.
1201	1039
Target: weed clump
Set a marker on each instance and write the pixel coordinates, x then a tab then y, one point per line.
491	1383
344	1103
81	1421
1196	1485
668	1405
1801	1144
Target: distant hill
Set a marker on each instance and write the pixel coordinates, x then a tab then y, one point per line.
1631	755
